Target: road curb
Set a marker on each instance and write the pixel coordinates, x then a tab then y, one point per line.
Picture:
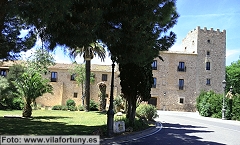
132	137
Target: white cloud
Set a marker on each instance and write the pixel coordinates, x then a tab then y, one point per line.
232	52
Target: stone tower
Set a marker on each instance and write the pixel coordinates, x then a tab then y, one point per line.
211	58
200	65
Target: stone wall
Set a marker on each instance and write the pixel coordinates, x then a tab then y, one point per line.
198	47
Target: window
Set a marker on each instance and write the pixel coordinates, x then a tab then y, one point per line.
181	66
75	95
207	65
53	76
181	100
181	84
154	85
208	53
73	77
154	65
3	73
208	82
104	77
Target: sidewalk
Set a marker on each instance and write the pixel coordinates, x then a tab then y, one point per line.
133	136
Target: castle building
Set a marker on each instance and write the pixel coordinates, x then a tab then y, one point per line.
199	66
178	80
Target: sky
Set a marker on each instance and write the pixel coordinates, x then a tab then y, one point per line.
216	14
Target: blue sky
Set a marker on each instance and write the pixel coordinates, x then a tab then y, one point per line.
216	14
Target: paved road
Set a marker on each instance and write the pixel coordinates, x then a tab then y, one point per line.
180	128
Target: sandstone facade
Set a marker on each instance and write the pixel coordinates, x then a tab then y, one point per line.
200	65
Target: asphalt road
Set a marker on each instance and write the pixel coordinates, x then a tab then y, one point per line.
183	128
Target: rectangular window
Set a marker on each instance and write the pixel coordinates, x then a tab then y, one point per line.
181	84
154	65
208	82
181	66
104	77
208	53
3	73
181	100
53	76
207	65
154	85
75	95
73	77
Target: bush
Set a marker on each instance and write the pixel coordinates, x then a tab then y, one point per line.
236	108
93	105
72	108
70	102
118	103
17	103
81	108
139	124
65	108
146	111
57	107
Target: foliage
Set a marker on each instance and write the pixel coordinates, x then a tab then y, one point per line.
79	73
71	105
140	124
64	108
11	25
40	61
93	105
236	107
3	86
88	52
233	76
136	81
30	86
146	111
209	104
72	108
81	108
102	95
57	107
118	103
17	103
70	102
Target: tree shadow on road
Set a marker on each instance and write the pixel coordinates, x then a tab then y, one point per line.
176	134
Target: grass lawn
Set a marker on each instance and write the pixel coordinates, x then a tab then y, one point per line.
55	122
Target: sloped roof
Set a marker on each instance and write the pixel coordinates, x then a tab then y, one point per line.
94	67
64	66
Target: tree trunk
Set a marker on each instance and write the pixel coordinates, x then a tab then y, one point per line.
27	111
83	97
87	86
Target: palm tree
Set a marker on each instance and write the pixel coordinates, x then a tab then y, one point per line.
88	53
31	85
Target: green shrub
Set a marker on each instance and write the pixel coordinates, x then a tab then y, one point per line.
17	103
118	103
236	108
93	105
70	102
81	108
72	108
65	108
57	107
146	111
139	124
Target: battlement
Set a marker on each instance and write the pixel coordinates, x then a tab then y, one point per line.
211	30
